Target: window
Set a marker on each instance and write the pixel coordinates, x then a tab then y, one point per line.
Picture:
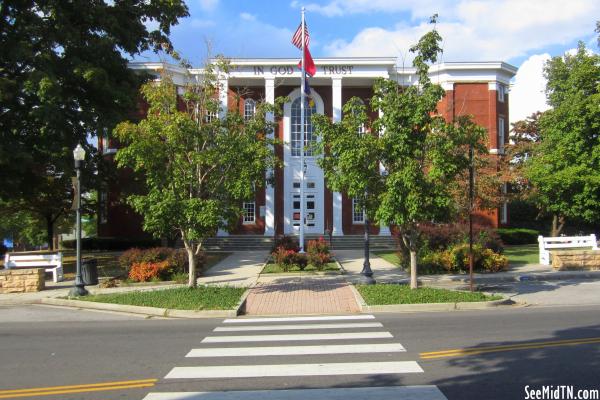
310	185
358	213
210	116
501	135
504	207
501	91
249	212
103	210
309	138
249	109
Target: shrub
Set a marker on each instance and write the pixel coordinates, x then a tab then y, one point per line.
178	261
300	260
493	262
456	260
146	271
518	235
287	242
284	258
443	236
129	257
318	253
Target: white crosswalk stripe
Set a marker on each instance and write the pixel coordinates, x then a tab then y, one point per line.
325	361
297	350
299	336
260	371
297	319
425	392
297	327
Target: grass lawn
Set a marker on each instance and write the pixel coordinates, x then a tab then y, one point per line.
201	298
389	256
272	268
522	254
383	294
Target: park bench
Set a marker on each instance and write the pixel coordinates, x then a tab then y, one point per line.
50	263
564	242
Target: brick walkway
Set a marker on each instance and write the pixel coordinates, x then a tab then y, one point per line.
301	296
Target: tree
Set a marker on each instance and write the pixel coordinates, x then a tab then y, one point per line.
565	167
198	168
350	158
421	152
64	77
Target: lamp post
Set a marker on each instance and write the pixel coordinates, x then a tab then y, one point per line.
366	273
79	288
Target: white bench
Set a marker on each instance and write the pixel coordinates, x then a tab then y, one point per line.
564	242
50	263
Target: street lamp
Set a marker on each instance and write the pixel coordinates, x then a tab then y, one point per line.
79	288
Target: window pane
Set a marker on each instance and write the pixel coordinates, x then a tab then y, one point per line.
309	139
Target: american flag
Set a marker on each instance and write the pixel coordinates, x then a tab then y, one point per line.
297	38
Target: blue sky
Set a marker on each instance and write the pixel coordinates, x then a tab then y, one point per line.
524	33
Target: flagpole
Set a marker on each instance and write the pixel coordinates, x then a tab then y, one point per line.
302	99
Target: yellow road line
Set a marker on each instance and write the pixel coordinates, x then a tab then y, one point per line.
77	388
492	349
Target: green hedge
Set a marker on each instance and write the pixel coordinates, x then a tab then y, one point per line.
518	235
110	243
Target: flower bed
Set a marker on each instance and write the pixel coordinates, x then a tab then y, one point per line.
287	258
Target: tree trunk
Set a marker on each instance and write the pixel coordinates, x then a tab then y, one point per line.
189	247
413	269
558	223
411	241
50	231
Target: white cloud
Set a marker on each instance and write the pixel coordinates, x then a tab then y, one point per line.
208	5
472	30
247	16
527	93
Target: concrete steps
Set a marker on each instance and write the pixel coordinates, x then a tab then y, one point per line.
257	242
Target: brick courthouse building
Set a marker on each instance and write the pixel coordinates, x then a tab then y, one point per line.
476	88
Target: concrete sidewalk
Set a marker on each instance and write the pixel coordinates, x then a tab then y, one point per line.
240	269
383	271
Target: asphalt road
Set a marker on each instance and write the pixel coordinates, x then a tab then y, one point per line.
47	347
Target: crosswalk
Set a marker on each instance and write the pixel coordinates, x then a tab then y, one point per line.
261	348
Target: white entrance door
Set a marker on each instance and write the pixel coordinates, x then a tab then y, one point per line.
312	213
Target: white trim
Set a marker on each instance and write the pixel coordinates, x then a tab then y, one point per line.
293	170
270	189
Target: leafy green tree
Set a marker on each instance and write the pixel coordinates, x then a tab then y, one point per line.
565	167
422	154
350	157
198	168
63	77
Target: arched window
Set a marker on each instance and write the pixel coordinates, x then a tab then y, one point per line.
309	138
361	128
249	109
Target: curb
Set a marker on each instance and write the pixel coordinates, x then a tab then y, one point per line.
149	311
549	276
429	307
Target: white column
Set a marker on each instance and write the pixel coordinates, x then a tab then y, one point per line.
223	90
336	100
269	189
384	230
